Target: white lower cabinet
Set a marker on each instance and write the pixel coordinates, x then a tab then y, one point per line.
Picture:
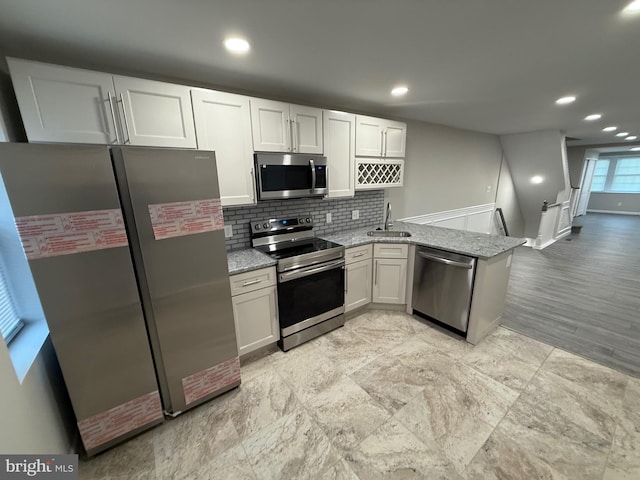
255	312
389	273
358	277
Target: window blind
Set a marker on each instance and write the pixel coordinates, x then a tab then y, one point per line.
10	323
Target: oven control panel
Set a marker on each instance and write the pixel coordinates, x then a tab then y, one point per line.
282	224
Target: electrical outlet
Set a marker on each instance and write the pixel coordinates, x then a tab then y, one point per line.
228	231
619	204
328	217
488	188
355	214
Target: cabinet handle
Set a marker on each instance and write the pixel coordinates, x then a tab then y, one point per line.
251	282
375	280
290	135
385	143
381	142
294	136
126	122
113	116
358	255
253	183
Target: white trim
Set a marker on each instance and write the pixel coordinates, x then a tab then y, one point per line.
551	241
616	212
466	213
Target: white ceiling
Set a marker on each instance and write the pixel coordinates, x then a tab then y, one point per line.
494	66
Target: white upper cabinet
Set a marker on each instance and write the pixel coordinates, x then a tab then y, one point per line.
155	114
339	148
60	104
377	137
223	124
282	127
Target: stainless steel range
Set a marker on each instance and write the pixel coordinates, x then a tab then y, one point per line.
310	277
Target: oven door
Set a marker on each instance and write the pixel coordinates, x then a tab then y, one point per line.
310	295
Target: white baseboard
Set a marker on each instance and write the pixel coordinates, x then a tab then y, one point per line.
477	218
615	212
549	242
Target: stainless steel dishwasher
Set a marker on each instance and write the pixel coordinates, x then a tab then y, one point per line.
442	286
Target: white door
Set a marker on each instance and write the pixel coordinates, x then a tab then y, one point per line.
339	148
395	135
389	280
256	319
357	285
223	124
369	136
270	125
155	114
60	104
585	186
306	128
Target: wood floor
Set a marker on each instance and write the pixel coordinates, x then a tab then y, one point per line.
582	293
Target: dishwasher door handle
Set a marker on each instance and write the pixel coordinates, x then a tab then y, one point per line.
446	261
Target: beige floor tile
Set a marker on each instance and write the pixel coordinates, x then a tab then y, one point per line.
457	412
624	458
393	452
508	357
340	471
346	413
293	446
230	465
347	349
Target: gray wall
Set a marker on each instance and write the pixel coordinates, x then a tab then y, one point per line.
536	153
507	200
370	203
630	202
446	168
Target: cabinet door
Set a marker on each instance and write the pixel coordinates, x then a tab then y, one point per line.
306	128
357	285
369	136
223	124
270	125
389	280
155	114
60	104
395	136
256	319
339	148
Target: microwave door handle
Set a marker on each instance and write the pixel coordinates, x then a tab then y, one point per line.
313	175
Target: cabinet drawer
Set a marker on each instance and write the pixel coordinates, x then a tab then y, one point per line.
357	254
250	281
390	250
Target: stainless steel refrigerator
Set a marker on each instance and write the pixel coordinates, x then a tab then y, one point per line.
66	207
127	253
171	203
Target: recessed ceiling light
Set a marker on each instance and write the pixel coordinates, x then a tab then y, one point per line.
566	100
397	91
633	7
622	134
593	116
537	179
609	129
236	45
635	149
631	137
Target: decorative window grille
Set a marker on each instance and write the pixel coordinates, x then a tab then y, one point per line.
375	173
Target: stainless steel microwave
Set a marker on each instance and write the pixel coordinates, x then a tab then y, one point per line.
290	175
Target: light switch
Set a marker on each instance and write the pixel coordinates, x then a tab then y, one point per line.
228	231
328	217
355	214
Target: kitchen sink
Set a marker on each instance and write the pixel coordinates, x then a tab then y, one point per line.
388	233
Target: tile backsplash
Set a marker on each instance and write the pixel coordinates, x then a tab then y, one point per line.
370	204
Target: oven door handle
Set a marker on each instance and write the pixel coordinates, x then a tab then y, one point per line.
307	271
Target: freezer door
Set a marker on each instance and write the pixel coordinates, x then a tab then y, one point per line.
173	214
85	279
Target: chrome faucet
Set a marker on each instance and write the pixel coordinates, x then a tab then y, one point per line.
387	217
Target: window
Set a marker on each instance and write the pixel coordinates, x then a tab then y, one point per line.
600	176
10	323
627	175
617	174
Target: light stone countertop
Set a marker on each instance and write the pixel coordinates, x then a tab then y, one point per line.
247	259
474	244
